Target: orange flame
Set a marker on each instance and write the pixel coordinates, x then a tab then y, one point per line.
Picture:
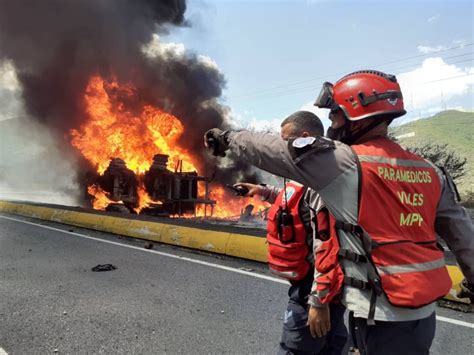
231	206
113	130
100	199
144	200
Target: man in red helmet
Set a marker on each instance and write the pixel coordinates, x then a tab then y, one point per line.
388	205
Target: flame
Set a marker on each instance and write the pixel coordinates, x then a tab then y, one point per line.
100	199
144	200
115	128
231	207
113	131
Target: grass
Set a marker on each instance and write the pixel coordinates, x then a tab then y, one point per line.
454	128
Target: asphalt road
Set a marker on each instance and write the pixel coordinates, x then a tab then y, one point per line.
168	300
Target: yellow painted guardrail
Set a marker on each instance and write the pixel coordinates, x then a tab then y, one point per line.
221	242
456	277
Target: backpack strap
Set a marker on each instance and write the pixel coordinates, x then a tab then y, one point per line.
372	274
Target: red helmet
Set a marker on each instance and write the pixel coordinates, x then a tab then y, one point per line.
363	94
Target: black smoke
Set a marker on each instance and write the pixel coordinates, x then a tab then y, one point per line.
57	45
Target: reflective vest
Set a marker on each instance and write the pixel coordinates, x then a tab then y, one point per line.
287	236
329	275
398	195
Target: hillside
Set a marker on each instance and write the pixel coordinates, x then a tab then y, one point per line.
454	128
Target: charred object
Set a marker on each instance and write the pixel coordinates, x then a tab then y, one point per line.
176	191
119	184
172	193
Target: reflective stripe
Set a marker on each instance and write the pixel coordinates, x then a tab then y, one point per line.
400	269
284	274
394	161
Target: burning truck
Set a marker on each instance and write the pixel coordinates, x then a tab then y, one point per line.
157	192
122	145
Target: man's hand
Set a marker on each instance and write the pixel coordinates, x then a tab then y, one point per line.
252	188
319	321
216	140
467	291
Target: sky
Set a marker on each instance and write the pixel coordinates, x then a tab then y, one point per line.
276	54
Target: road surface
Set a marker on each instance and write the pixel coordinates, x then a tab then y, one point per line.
163	300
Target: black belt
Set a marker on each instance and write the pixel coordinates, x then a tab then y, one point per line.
350	255
360	284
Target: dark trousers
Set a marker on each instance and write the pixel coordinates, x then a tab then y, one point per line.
296	338
394	338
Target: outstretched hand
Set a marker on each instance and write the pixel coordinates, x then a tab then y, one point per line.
252	188
215	140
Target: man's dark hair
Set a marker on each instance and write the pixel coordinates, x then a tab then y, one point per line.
305	121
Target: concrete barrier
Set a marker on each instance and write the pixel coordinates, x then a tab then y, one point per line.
216	241
456	277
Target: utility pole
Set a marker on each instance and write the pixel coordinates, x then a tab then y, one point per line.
443	103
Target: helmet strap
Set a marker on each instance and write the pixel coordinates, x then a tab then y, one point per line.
388	95
336	134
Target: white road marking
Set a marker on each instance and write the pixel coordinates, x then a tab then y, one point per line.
3	352
227	268
455	321
222	267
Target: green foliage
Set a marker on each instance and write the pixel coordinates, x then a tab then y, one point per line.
453	130
442	155
468	200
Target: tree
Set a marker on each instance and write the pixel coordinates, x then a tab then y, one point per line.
441	155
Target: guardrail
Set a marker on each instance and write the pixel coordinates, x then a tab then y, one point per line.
223	241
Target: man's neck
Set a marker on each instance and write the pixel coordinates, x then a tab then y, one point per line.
379	131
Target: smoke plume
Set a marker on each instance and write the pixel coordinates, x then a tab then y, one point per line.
56	46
